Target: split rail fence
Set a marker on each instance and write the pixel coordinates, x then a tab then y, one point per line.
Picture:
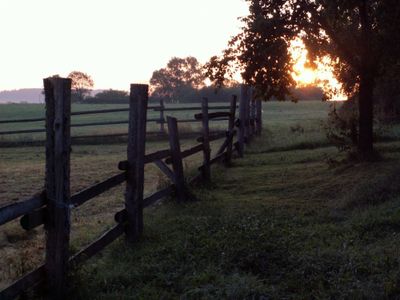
53	206
161	120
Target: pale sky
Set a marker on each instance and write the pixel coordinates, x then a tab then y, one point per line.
117	42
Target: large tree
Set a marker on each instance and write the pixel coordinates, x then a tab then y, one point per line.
358	36
181	75
82	84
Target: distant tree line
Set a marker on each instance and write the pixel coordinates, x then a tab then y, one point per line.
192	95
183	80
109	97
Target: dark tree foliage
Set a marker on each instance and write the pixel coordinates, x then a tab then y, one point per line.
82	84
110	97
361	37
192	95
224	94
179	76
387	93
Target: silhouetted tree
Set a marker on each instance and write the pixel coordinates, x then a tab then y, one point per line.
82	84
388	91
179	77
112	96
357	35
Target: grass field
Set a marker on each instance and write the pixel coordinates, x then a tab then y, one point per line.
275	226
292	220
25	111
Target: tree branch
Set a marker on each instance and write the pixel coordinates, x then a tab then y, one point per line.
346	53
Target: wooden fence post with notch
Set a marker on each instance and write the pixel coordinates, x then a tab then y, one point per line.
162	119
231	128
176	156
136	152
206	172
57	185
258	116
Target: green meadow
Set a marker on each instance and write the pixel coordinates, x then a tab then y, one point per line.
29	111
293	219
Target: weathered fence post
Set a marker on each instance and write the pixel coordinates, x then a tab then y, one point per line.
162	119
206	172
247	132
258	116
231	128
58	147
176	156
136	151
243	108
252	114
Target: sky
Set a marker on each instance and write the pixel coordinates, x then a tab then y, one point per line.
117	42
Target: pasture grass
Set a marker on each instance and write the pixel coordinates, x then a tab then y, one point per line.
279	115
25	111
294	219
277	225
22	175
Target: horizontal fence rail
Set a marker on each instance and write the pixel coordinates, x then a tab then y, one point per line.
41	209
23	120
192	108
217	117
105	123
114	110
15	210
76	113
22	131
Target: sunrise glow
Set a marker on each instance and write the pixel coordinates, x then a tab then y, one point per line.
116	42
321	76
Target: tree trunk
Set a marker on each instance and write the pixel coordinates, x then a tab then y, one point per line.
367	82
366	107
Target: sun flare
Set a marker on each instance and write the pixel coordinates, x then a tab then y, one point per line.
321	76
305	76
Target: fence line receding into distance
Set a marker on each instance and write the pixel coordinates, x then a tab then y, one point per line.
52	207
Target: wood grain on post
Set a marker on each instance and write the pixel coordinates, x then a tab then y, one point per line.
242	118
231	128
58	147
247	115
162	119
206	141
258	116
136	152
252	114
176	157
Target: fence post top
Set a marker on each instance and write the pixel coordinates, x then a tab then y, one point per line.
139	86
55	80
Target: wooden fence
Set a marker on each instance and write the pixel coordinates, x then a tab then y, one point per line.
52	207
161	120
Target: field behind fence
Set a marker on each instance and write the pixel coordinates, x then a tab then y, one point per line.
22	174
52	206
27	123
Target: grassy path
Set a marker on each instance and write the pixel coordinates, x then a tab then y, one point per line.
282	225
